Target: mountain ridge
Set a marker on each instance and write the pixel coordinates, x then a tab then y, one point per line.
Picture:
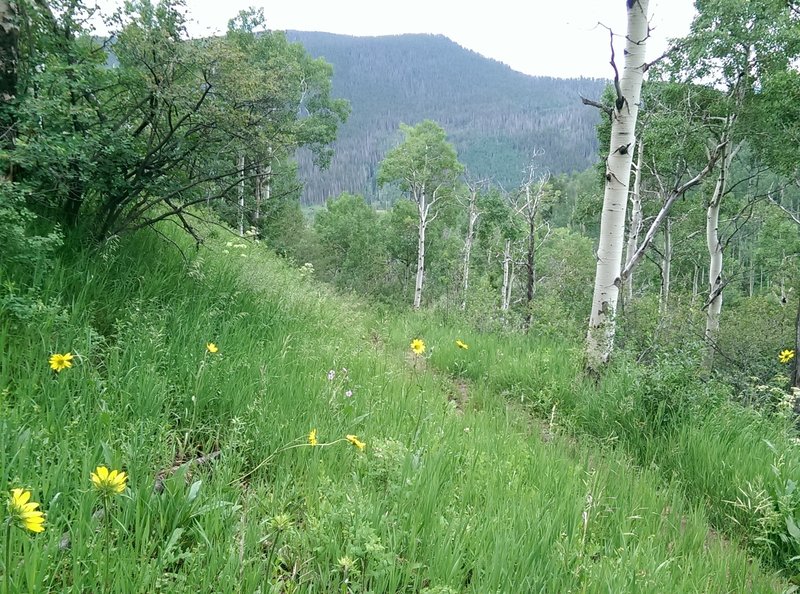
494	115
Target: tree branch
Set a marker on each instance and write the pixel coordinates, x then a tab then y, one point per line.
604	108
620	98
662	214
793	216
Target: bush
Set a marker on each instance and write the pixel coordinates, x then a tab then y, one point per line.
25	245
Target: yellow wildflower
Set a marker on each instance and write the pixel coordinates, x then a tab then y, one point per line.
786	355
462	345
109	483
312	437
211	347
356	442
22	511
59	362
417	346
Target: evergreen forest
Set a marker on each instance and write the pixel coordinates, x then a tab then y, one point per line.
495	117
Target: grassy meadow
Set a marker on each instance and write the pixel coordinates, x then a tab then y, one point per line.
492	469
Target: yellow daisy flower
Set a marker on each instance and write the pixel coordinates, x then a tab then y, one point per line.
23	512
59	362
312	437
356	442
786	355
418	346
109	483
211	347
462	345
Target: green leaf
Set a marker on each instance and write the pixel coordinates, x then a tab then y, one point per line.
791	526
194	490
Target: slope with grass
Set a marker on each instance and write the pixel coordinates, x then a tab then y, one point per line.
226	493
740	464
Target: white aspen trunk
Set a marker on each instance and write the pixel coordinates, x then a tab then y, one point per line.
258	185
268	189
473	218
531	207
511	278
241	195
715	263
530	268
264	185
695	284
423	223
666	269
636	219
505	290
262	189
600	337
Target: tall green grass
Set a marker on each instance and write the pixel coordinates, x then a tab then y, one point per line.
741	465
455	492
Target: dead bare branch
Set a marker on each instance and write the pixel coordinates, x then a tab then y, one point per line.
604	108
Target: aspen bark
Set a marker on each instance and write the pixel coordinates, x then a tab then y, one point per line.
636	219
714	305
241	196
530	267
264	186
423	224
511	279
600	337
472	215
259	181
666	269
505	290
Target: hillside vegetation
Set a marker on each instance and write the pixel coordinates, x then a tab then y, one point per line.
496	117
457	489
202	390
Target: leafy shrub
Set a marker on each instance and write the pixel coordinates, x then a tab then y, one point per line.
24	245
751	335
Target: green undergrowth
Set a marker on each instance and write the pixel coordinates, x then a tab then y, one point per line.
740	464
455	491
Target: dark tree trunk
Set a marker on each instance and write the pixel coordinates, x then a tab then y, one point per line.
9	62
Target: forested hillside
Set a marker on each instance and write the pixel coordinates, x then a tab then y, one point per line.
494	115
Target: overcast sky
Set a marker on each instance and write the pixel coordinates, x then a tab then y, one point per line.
554	38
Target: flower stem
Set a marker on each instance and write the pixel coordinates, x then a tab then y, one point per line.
292	446
107	521
7	566
272	550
